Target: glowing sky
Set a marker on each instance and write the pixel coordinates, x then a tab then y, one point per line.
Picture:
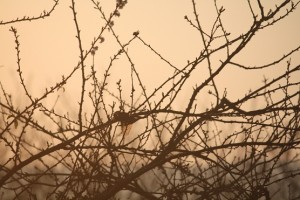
49	48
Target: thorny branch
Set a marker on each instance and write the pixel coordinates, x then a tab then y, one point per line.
142	145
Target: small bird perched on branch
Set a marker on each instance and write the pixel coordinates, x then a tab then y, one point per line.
125	118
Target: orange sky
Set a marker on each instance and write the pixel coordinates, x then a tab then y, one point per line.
49	48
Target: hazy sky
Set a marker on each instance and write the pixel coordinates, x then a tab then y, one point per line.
49	48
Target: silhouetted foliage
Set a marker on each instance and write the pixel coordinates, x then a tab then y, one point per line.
141	145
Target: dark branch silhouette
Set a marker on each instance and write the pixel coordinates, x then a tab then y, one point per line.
125	141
